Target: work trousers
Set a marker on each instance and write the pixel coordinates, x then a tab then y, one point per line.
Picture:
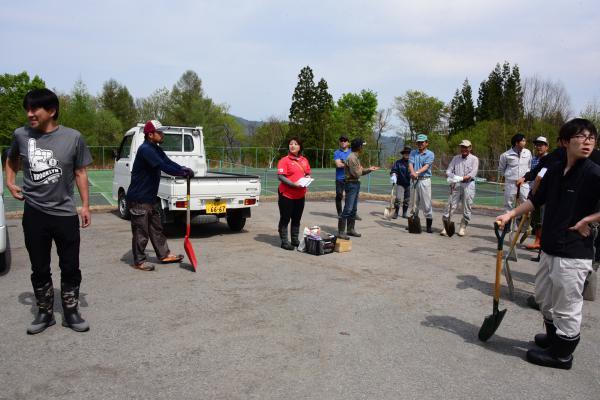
146	224
510	194
463	194
422	197
289	209
39	230
558	289
339	194
352	190
402	195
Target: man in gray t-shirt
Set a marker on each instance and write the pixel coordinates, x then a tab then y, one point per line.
54	159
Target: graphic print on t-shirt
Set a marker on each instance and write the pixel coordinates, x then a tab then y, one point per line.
42	165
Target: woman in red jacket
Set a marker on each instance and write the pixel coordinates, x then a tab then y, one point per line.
290	169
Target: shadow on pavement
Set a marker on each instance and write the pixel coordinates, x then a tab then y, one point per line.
487	288
324	214
467	331
269	239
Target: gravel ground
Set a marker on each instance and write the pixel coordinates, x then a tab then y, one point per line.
397	317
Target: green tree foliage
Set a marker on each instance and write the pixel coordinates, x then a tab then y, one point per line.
592	112
310	110
420	112
154	106
79	110
462	111
13	89
357	111
501	95
117	99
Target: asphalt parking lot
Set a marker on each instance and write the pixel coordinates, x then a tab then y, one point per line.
395	318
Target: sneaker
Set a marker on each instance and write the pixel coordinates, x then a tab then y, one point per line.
461	231
443	232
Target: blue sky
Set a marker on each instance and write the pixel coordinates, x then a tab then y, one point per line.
249	53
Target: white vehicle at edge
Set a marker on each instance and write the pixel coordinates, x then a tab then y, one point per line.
225	195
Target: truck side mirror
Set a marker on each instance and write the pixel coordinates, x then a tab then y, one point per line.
115	155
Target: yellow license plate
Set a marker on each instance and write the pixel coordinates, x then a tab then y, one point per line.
216	207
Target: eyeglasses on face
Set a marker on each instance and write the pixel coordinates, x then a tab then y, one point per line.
581	138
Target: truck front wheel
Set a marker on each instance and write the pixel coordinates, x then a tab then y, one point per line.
122	203
236	221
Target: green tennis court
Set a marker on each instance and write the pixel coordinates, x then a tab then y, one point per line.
377	182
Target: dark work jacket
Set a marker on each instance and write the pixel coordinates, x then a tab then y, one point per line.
400	168
567	200
145	174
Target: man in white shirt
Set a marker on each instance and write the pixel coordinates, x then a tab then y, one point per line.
513	166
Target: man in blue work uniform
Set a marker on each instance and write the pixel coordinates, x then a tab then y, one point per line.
419	163
142	198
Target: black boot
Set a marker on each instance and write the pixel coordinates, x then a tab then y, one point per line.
45	301
283	235
544	340
70	303
404	212
295	233
429	223
532	303
396	211
342	229
558	355
351	231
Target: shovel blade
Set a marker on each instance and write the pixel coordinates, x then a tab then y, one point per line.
414	224
189	251
490	324
388	212
451	229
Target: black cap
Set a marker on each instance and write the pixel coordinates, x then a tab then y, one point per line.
357	143
343	138
406	149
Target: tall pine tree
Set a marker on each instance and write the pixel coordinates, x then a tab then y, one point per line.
462	111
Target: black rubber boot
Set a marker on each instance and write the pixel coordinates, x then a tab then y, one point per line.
396	211
45	317
544	340
558	355
342	229
295	233
338	207
70	304
404	212
357	218
283	235
429	223
351	231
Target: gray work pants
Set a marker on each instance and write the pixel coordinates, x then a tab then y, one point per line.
463	195
146	224
558	290
422	197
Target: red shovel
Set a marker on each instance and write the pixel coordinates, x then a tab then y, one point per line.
187	245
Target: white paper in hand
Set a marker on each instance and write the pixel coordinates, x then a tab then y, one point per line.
304	182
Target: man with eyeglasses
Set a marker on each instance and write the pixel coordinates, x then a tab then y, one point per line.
420	162
569	192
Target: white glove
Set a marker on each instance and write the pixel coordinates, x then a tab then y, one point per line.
393	179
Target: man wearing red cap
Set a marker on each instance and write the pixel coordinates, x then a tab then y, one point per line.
142	198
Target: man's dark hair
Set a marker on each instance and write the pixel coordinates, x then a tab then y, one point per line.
516	139
356	144
575	127
297	140
41	98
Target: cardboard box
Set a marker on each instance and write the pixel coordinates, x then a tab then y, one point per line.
342	246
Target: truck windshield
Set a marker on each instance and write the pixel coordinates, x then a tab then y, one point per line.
177	142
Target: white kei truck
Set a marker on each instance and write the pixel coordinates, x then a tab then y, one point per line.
221	194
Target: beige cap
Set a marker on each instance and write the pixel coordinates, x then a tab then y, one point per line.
465	143
541	139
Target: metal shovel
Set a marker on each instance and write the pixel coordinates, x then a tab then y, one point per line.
492	322
448	224
187	244
414	223
390	209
